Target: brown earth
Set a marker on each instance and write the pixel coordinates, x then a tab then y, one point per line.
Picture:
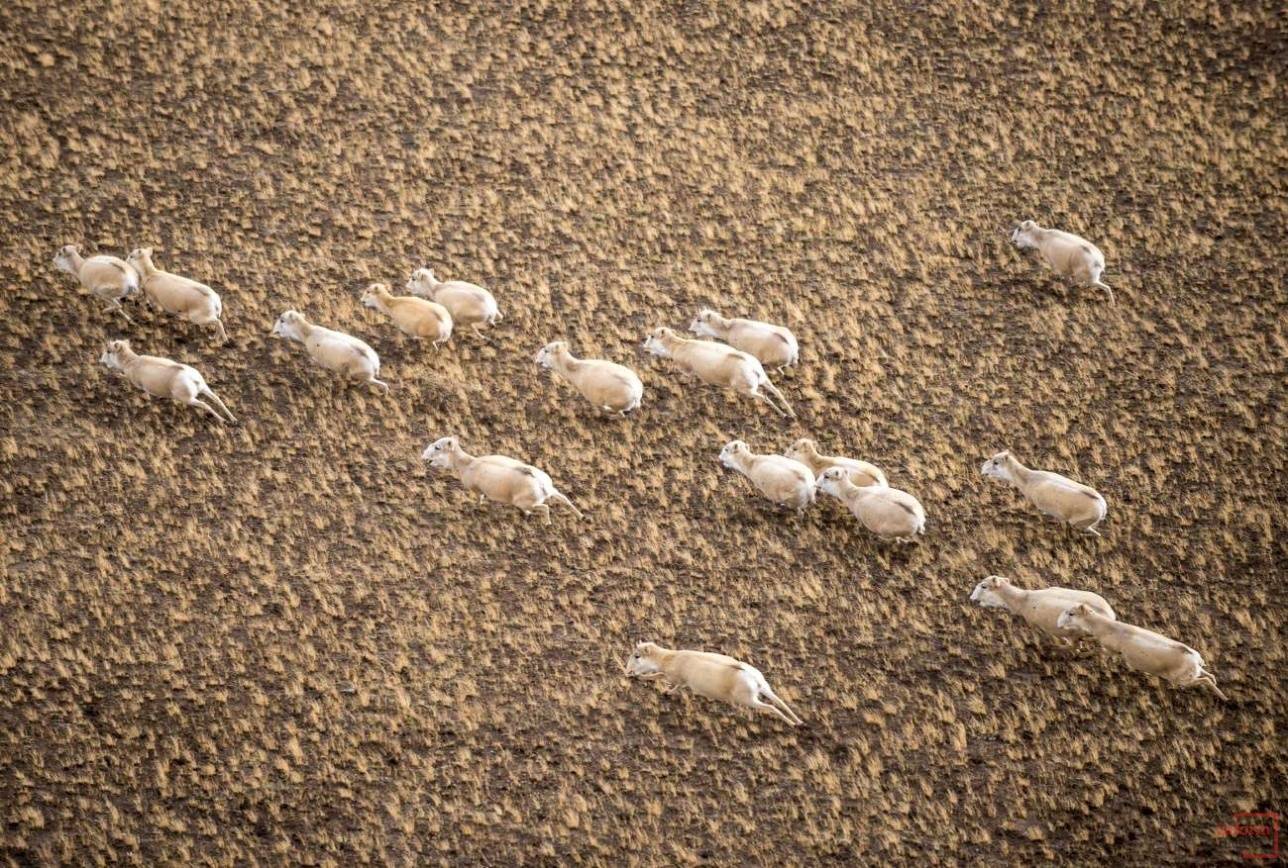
289	641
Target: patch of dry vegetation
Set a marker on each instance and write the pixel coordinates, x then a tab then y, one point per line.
289	640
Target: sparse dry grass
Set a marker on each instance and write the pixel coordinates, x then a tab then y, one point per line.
289	641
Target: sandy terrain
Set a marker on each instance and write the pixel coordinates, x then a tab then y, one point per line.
289	641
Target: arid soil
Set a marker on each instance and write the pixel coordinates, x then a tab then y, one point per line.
291	642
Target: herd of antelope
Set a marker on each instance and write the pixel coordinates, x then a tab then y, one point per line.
733	353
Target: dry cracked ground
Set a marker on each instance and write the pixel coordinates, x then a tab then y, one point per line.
289	641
